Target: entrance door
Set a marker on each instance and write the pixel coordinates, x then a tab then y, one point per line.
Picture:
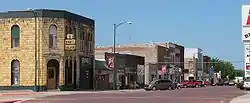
51	78
52	74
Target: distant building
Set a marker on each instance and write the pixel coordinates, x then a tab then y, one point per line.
206	65
130	69
159	58
194	57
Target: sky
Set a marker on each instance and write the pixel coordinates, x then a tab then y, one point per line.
212	25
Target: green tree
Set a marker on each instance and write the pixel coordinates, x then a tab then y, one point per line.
226	68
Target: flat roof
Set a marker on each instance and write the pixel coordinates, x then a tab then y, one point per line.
47	13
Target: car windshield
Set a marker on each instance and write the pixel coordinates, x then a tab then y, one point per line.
153	82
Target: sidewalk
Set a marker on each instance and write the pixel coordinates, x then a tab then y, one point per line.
242	99
22	95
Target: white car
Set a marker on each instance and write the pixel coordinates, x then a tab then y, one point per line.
246	84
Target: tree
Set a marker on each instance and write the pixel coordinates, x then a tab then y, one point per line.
239	73
226	68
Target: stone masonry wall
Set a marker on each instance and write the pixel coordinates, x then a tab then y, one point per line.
24	53
46	53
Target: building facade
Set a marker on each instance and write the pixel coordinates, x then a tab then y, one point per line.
127	67
197	54
158	60
45	49
206	65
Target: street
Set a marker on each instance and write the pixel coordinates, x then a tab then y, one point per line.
186	95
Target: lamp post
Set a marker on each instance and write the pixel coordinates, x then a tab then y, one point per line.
114	60
35	16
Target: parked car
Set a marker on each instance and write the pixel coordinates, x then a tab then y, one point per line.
246	84
231	83
177	85
160	85
184	84
191	83
220	83
203	83
240	85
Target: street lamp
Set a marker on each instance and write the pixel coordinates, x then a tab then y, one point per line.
114	60
35	16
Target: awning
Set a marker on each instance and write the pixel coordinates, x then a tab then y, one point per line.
101	65
191	75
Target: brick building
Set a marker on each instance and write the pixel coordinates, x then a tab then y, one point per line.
45	49
156	54
206	65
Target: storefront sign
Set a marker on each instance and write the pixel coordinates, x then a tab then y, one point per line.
163	69
247	60
110	61
70	43
70	47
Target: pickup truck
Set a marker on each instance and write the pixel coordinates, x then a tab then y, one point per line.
191	83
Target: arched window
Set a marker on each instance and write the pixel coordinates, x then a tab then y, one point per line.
15	72
52	36
15	36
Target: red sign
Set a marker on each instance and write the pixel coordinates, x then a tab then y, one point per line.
110	62
163	69
247	66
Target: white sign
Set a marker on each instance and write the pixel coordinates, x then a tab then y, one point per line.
247	53
247	60
245	22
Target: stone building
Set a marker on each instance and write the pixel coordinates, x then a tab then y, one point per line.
45	49
190	54
190	68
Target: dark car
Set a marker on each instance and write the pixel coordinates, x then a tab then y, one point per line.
230	83
160	85
220	83
240	85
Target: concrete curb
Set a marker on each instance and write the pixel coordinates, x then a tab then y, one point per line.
242	99
33	95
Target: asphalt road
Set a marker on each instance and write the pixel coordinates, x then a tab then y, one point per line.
188	95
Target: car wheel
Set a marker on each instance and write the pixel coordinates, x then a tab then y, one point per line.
169	88
196	86
154	88
185	86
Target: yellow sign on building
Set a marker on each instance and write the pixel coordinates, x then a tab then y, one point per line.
70	44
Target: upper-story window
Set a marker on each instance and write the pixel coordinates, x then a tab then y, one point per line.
15	36
66	31
74	32
52	36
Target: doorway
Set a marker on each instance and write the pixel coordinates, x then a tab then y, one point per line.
52	74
